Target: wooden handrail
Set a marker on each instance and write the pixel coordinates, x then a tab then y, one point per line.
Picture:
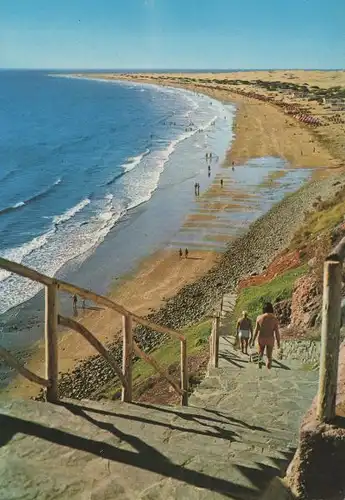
330	341
184	373
151	361
52	319
214	342
78	327
338	252
27	272
127	357
11	360
51	343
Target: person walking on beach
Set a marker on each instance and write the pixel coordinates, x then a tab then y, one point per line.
196	189
244	331
267	332
221	182
180	253
75	301
186	253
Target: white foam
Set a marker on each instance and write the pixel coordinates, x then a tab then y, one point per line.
59	219
134	161
17	254
19	204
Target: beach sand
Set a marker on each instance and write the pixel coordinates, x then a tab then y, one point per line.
261	130
158	277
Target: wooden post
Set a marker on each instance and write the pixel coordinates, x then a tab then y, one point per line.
184	373
216	341
210	340
330	339
127	358
51	325
212	344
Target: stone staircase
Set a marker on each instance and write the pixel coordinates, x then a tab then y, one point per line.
238	433
227	306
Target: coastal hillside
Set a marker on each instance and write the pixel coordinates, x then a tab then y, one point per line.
280	258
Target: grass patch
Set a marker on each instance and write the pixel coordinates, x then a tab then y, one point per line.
252	298
328	214
167	355
326	219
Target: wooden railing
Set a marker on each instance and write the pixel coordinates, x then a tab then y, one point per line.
214	341
330	333
53	319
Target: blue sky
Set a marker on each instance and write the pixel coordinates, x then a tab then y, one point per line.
159	34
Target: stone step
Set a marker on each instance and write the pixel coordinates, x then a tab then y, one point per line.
115	450
228	480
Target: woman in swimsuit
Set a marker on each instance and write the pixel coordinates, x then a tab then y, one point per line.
267	331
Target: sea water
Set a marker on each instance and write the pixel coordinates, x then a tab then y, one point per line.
77	155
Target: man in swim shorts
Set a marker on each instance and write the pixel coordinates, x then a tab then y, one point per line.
244	331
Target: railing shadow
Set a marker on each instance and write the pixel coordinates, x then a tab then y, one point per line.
145	456
234	359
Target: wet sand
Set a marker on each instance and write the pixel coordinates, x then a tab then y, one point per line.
260	131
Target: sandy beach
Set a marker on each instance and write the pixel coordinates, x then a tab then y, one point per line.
261	130
271	131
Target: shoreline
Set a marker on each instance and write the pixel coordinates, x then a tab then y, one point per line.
205	269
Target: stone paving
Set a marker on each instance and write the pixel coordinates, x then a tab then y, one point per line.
238	433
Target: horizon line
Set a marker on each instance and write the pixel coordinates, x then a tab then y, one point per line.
167	70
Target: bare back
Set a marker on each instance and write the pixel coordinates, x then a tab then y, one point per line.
244	324
267	325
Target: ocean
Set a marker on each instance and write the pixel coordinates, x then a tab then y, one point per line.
79	156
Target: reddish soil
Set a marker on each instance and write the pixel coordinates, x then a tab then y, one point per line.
280	264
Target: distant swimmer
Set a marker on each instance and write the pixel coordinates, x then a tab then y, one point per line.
196	189
209	168
233	169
